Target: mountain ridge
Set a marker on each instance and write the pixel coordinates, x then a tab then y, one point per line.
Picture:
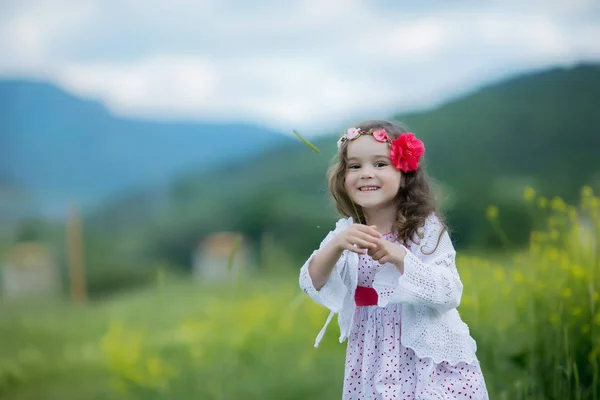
59	148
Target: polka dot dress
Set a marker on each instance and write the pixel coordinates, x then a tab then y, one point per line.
379	367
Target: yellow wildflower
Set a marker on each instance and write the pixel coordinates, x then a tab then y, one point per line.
542	202
558	204
499	274
529	193
552	254
577	271
518	277
492	212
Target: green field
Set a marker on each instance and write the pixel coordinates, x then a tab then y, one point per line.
533	313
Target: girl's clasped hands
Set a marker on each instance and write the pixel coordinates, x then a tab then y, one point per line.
363	239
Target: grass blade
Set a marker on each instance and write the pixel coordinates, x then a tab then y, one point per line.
306	142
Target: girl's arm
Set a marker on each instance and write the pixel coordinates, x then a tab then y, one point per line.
430	279
322	263
321	275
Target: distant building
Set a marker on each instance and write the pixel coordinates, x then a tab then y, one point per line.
221	257
29	271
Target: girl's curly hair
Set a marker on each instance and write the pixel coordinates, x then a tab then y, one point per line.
415	200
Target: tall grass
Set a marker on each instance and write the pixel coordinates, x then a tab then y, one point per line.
541	307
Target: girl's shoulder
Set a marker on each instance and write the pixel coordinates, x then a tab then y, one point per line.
430	231
433	222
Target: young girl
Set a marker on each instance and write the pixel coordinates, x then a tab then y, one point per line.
388	270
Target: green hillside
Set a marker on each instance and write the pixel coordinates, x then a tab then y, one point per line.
536	130
538	125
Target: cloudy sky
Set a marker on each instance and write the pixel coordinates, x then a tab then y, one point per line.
307	64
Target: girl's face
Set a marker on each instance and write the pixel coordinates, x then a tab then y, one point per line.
371	180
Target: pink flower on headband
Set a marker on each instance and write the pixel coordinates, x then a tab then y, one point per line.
406	152
352	133
381	135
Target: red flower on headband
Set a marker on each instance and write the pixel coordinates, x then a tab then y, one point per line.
406	152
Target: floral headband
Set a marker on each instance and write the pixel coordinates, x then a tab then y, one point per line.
405	151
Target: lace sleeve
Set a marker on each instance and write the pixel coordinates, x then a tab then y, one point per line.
429	279
332	294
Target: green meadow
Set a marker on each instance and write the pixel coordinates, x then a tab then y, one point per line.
534	313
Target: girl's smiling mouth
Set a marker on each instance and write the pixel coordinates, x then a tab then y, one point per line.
368	188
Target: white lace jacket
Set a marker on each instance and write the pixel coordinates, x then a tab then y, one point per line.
429	291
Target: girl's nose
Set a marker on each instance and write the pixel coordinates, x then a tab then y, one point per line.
367	173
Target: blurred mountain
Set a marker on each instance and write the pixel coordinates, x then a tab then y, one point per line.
538	129
540	126
57	148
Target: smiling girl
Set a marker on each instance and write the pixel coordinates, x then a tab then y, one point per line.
388	270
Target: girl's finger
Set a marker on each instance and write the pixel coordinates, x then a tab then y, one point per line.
356	249
374	231
361	238
378	255
363	243
384	259
367	237
369	230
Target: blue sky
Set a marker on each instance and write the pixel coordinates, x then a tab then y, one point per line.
313	64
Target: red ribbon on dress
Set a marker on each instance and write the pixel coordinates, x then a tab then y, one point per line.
365	296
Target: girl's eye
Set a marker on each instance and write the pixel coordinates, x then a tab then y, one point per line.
354	166
380	164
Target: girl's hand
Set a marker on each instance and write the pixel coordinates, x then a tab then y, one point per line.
358	238
388	252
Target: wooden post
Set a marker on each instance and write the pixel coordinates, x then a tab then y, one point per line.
77	282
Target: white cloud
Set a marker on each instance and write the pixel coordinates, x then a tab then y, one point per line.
280	91
306	64
421	38
29	34
173	84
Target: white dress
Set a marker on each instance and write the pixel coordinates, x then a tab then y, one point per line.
378	366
